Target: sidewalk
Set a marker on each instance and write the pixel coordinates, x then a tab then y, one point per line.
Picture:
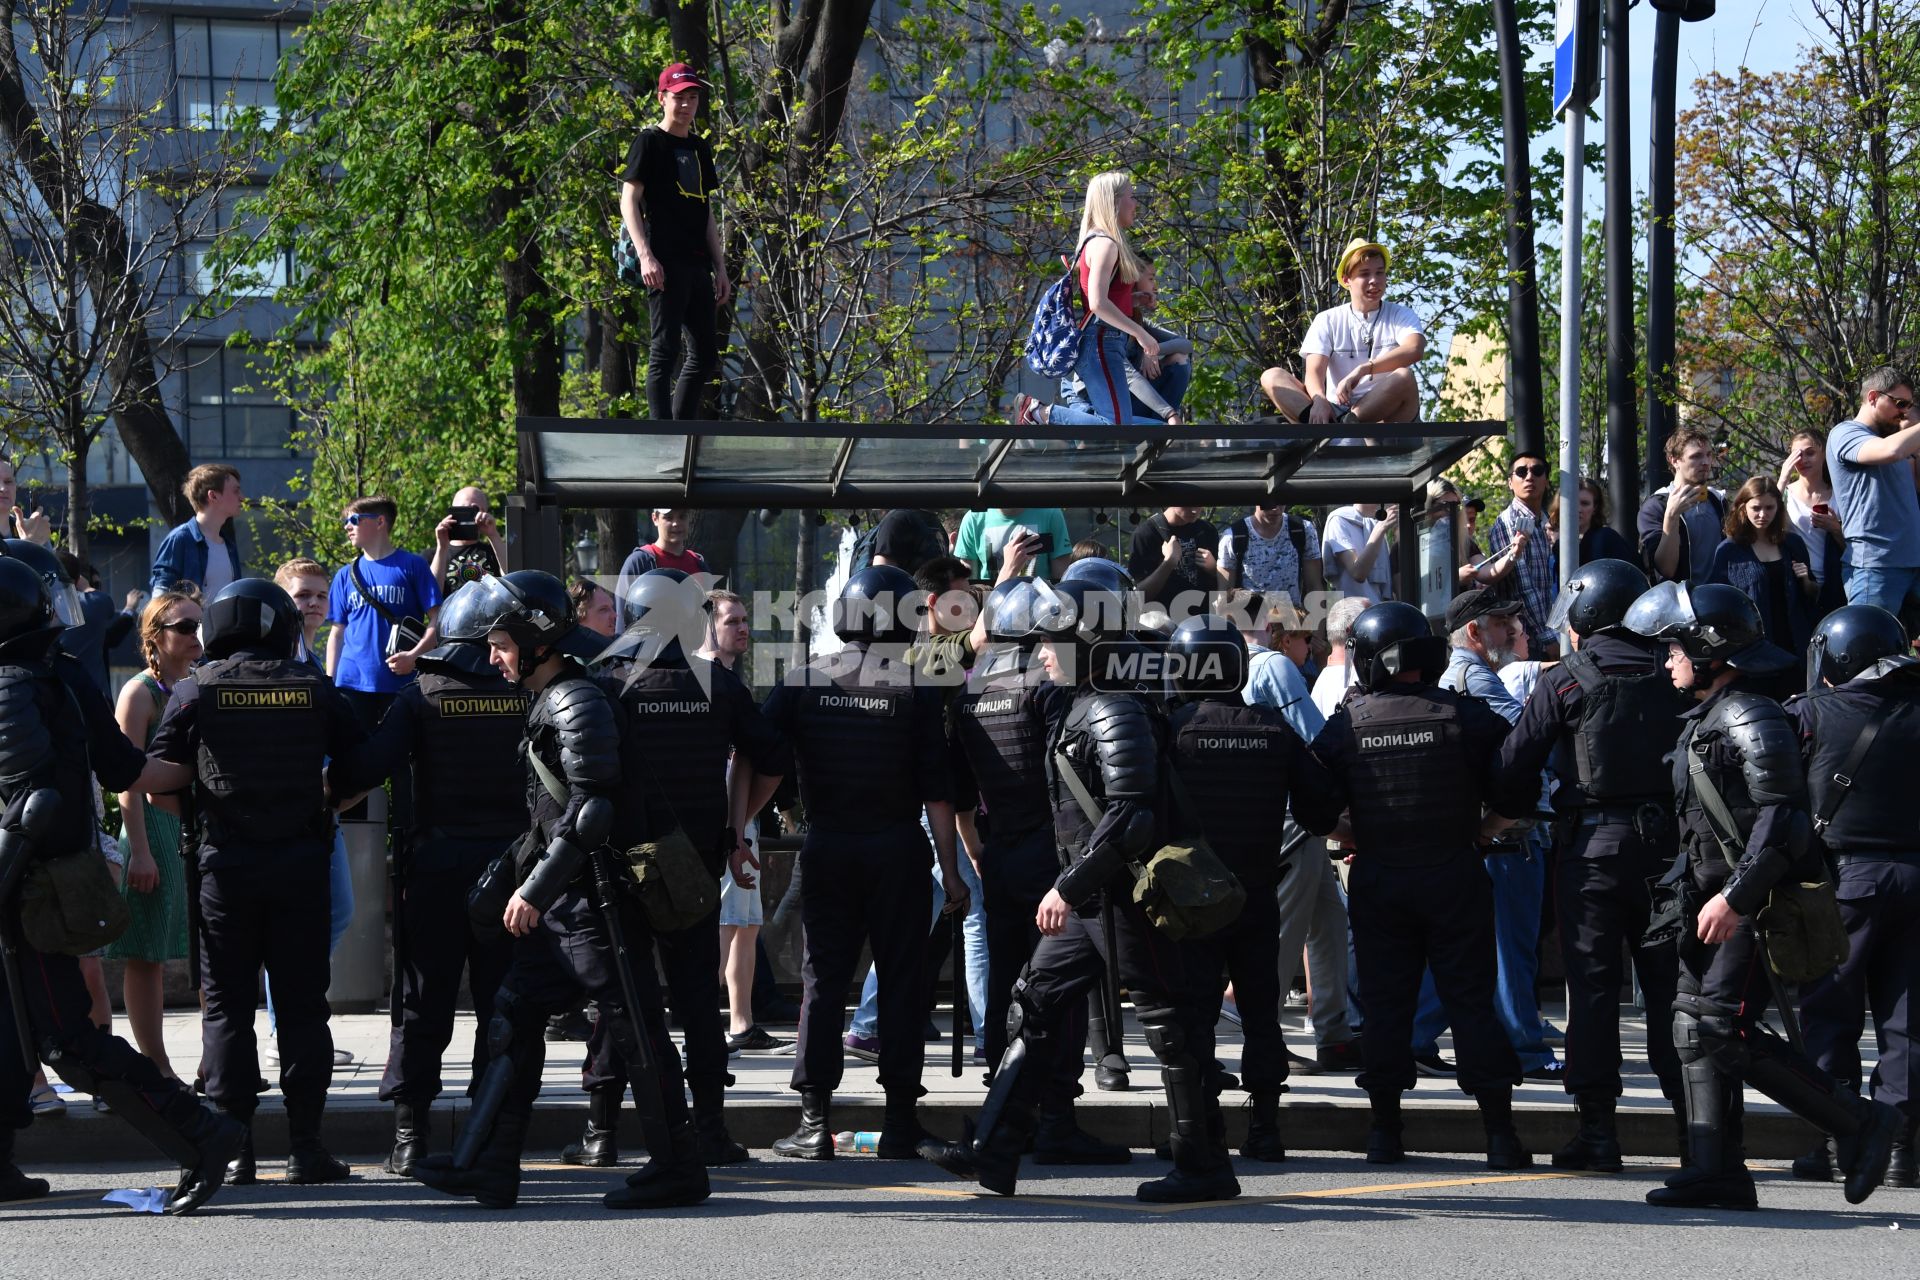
1323	1112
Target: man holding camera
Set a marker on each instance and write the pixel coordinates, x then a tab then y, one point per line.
467	542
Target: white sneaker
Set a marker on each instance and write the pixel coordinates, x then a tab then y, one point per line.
270	1055
341	1058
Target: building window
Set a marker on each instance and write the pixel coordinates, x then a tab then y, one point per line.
231	413
258	280
223	67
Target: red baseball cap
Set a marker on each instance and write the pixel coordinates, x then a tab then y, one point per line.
680	76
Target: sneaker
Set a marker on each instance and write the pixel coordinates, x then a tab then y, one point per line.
1553	1072
1026	411
270	1055
1432	1064
46	1101
865	1048
1296	1000
753	1040
1342	1056
102	1106
1299	1066
342	1058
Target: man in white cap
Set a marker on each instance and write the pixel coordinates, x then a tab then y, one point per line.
1359	356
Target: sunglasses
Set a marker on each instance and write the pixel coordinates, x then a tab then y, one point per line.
1537	471
1902	405
184	627
360	517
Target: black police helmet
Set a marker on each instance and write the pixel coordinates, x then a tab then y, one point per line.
1851	639
1010	609
1208	657
667	619
28	626
1710	623
60	589
878	605
251	613
1392	638
1101	572
1596	598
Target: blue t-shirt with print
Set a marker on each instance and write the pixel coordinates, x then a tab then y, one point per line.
404	584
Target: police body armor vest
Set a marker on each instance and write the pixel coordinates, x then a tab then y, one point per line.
45	745
1079	740
673	759
1729	779
1628	723
854	747
1414	802
263	744
1878	815
467	777
1006	746
1232	759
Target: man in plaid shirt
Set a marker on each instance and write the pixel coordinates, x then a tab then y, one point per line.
1521	554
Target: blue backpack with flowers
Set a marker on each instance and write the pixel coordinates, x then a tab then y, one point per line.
1053	344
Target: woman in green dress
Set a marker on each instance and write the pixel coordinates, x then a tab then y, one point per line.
155	884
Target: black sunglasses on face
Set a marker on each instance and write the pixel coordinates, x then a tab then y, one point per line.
1537	471
1902	405
184	627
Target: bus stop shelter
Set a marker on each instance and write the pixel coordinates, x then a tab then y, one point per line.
576	463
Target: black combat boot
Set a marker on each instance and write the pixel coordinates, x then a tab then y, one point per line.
309	1162
1715	1173
1060	1140
494	1179
217	1138
241	1171
1900	1169
717	1146
672	1179
1867	1153
1818	1165
1263	1129
599	1145
1596	1144
900	1131
1504	1151
15	1185
1384	1137
812	1140
1112	1074
1202	1169
410	1124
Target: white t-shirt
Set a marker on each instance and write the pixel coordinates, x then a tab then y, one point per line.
1331	685
1348	339
1800	516
219	570
1347	530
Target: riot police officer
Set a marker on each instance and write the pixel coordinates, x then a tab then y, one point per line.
251	731
684	717
999	726
1741	799
1231	761
457	728
1411	766
566	915
1111	748
869	744
1606	718
1859	731
56	736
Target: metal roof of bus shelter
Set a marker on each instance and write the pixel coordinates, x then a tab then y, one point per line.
577	462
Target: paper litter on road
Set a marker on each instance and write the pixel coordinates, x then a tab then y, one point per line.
140	1200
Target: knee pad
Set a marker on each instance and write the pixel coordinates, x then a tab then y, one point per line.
1723	1038
1168	1040
1019	1009
1686	1035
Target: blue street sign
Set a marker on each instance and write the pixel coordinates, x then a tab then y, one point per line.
1576	53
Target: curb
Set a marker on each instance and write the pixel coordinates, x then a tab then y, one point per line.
85	1137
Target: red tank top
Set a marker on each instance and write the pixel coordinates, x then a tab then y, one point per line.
1119	292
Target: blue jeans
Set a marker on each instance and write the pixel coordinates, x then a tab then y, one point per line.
1884	585
866	1019
1519	889
340	890
1103	369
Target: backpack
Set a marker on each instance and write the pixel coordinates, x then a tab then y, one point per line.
1296	530
1053	344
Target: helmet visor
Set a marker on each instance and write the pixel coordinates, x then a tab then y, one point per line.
477	608
1563	607
66	603
1664	613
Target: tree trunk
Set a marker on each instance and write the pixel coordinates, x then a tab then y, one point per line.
531	328
79	507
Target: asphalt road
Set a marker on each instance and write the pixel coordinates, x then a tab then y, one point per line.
1324	1216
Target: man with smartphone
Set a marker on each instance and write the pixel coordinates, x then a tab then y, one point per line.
1680	524
467	542
1172	560
985	536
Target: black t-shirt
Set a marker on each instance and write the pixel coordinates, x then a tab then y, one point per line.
909	537
467	564
675	177
1148	539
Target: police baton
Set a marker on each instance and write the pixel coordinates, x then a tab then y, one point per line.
959	989
647	1099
